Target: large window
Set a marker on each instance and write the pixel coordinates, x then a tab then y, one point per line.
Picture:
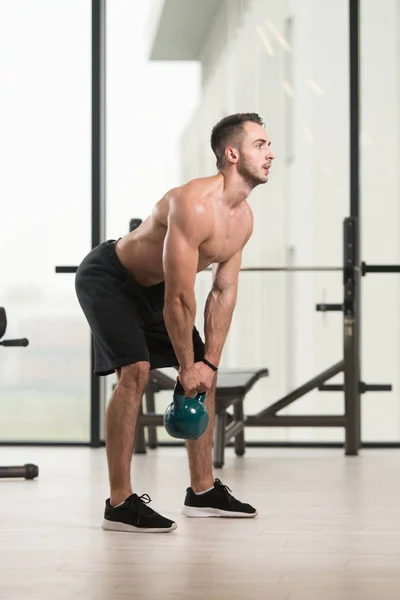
380	214
45	191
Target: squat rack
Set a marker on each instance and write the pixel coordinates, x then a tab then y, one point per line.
352	386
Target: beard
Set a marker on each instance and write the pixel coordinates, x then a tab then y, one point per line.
251	174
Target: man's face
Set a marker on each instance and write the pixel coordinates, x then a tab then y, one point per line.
255	155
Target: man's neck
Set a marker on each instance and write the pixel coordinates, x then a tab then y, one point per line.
236	190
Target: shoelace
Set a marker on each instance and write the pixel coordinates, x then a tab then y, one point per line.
145	498
141	503
225	490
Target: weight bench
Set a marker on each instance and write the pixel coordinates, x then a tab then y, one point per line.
232	387
27	471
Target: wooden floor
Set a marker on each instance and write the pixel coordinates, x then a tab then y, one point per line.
328	528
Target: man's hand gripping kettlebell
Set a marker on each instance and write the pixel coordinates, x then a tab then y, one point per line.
198	378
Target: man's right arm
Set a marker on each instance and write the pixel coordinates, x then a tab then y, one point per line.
188	227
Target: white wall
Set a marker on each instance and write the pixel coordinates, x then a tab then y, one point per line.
302	92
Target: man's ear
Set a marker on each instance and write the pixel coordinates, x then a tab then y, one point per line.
231	154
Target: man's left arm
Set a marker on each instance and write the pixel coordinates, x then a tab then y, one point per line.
220	305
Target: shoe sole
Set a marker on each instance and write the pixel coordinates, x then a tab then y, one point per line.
196	512
116	526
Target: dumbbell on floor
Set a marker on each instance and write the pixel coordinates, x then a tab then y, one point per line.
27	471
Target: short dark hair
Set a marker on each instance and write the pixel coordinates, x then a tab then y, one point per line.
229	132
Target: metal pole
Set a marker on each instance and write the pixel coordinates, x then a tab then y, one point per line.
354	31
351	235
219	440
289	269
296	421
352	400
98	183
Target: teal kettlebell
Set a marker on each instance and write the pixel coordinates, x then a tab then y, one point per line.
186	418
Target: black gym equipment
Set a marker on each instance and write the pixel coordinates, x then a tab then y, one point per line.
3	327
27	471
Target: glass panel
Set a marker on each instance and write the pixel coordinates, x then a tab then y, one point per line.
380	214
45	125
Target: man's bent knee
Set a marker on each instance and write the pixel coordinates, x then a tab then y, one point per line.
136	374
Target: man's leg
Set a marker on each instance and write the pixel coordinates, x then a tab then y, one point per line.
200	451
121	419
209	497
127	511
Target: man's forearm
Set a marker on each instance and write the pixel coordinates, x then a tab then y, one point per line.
217	319
179	317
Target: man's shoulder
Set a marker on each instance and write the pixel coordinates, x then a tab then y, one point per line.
189	206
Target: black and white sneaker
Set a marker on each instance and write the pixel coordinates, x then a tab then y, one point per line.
217	502
134	515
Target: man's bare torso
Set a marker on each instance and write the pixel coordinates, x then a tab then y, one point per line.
141	251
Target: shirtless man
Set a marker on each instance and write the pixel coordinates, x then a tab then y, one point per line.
137	294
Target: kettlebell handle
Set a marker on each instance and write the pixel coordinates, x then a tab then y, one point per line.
179	391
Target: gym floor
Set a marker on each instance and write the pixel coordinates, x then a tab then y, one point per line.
328	527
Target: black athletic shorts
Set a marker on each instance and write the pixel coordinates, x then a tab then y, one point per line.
126	319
